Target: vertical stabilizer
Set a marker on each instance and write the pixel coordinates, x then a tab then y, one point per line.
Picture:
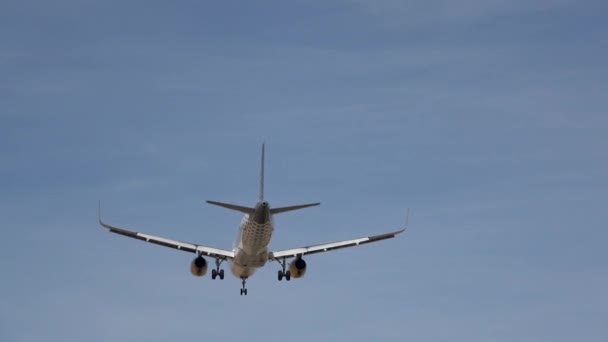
262	176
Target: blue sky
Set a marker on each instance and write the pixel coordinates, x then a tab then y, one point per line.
486	118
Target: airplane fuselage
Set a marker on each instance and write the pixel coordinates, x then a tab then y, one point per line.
251	246
250	250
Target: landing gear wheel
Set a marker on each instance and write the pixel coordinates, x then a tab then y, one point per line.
283	273
244	289
217	272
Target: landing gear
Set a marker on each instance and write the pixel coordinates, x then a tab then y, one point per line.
244	289
217	271
282	273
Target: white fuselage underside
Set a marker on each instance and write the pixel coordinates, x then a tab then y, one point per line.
251	247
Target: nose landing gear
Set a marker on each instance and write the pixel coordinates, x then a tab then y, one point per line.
244	289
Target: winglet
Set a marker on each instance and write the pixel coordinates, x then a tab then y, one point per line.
99	213
101	223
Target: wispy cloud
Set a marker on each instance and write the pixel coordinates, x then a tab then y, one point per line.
486	118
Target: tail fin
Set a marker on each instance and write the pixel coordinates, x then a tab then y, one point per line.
262	176
294	207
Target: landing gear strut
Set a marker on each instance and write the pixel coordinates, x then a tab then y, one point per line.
244	289
217	271
282	273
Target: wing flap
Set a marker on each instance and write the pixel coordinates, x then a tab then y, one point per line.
326	247
179	245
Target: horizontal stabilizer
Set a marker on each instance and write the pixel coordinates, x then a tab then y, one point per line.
246	210
294	207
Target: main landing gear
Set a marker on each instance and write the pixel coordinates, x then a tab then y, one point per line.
217	271
282	273
244	289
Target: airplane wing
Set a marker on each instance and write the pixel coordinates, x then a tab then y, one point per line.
326	247
182	246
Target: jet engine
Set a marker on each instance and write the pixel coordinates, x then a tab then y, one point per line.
198	267
297	268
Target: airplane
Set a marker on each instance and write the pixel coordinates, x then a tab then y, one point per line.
250	250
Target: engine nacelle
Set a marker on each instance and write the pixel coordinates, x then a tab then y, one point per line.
198	266
297	268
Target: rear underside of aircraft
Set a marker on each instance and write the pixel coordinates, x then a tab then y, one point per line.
251	249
